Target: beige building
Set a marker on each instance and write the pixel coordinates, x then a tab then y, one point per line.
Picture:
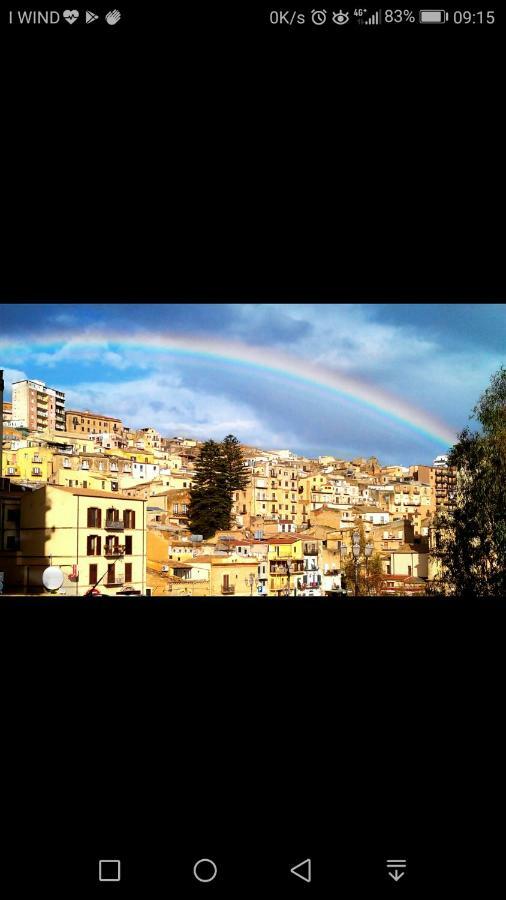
273	493
89	534
38	407
85	422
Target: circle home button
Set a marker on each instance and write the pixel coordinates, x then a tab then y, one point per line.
205	870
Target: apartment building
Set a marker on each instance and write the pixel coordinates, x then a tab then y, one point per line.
85	422
273	493
285	556
444	484
92	535
37	406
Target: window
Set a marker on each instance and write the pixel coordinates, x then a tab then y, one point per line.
129	518
93	545
93	573
111	573
175	508
36	470
184	508
409	570
94	517
128	571
85	484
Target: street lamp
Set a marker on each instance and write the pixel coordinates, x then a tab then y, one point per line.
368	551
356	554
250	580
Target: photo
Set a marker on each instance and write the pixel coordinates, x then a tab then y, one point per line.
252	449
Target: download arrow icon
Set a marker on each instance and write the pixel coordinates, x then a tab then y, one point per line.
396	875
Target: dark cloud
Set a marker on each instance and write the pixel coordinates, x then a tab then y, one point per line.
455	326
257	323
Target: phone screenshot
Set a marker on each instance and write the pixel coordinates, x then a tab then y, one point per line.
252	451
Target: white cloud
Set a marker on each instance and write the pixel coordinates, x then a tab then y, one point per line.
160	400
11	375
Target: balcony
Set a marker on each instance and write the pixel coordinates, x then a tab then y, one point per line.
228	589
113	550
310	550
116	582
297	569
114	525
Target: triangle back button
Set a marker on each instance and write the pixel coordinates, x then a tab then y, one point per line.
302	870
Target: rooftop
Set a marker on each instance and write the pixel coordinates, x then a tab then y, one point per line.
91	492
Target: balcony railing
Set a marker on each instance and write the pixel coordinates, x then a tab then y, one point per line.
228	589
310	551
114	525
282	570
115	582
114	551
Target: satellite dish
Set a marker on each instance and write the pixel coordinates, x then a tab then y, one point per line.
52	578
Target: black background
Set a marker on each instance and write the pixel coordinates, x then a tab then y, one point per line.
198	154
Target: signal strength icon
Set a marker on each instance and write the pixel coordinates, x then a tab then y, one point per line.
375	19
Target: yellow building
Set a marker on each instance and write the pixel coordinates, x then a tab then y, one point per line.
31	464
230	575
89	534
173	569
285	556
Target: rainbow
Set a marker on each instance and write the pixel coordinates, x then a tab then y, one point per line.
266	361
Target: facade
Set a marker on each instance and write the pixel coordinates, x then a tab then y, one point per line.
310	583
28	464
445	487
286	564
37	406
90	534
85	422
409	560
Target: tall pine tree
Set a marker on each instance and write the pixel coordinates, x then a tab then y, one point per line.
209	509
219	471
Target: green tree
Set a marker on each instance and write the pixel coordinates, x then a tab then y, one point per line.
219	471
237	474
470	540
366	584
209	509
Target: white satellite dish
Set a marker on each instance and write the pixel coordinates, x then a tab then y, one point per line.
52	578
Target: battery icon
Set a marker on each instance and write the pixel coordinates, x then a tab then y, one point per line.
433	16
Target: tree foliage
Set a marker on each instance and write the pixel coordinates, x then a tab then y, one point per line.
370	578
219	471
470	540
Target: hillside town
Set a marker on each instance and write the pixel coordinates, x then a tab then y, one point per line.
108	504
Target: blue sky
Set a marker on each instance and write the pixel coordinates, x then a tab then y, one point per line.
438	357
